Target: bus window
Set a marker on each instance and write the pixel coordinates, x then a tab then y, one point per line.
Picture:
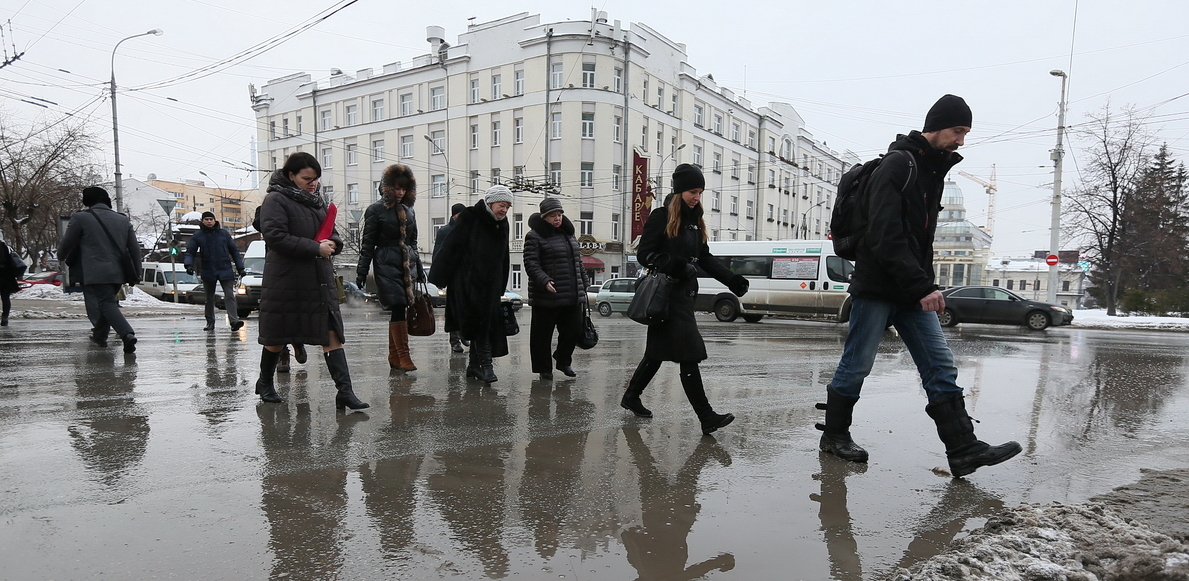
839	269
749	265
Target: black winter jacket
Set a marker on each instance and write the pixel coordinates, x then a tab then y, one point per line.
216	252
551	255
473	265
895	261
382	246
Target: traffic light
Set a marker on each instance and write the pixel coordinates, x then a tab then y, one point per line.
173	247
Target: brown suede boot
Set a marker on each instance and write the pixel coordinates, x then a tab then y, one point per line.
398	344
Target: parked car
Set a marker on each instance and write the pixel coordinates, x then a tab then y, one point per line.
437	297
46	277
997	306
357	296
615	295
592	294
511	297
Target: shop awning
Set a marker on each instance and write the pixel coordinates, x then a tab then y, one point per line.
592	263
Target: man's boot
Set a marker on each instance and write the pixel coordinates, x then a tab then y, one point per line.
695	392
336	362
640	379
456	341
398	335
836	431
283	360
965	452
264	386
486	368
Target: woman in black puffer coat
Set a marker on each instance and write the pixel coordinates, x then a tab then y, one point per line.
390	243
557	288
299	300
674	240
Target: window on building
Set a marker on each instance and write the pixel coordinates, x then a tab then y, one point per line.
1023	285
517	277
352	193
517	226
586	175
1065	286
697	154
518	130
555	125
406	146
714	235
352	154
495	176
437	224
616	127
734	205
272	129
495	133
439	141
555	173
588	75
377	109
751	209
328	193
475	181
735	169
717	124
660	139
660	95
673	103
714	201
285	127
377	150
617	80
437	185
556	75
587	221
615	226
717	162
327	157
406	104
326	119
474	137
352	115
772	178
784	215
699	114
474	90
616	171
588	125
735	132
1010	284
751	174
771	214
751	138
644	137
518	82
376	191
437	98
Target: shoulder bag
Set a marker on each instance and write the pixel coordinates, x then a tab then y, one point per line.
650	305
420	315
511	327
130	275
589	337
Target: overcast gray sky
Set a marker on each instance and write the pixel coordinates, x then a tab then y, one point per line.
858	72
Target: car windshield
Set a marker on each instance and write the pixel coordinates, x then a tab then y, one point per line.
40	276
182	278
254	265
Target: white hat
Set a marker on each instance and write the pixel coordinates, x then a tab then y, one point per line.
497	193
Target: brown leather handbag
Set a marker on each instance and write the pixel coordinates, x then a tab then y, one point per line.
420	315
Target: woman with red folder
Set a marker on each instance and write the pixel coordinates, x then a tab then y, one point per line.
299	299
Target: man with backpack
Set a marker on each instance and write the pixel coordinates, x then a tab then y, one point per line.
898	200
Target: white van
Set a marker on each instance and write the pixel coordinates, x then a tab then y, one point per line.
788	278
157	279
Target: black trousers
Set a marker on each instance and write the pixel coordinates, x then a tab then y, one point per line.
103	310
568	322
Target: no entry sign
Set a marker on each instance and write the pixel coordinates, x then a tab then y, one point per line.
1051	260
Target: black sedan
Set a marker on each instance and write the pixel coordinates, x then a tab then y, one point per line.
991	304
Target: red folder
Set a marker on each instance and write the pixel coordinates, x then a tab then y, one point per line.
328	224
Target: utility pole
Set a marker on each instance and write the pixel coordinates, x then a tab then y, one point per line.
1057	156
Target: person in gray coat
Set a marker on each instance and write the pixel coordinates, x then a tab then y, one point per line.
299	298
103	244
557	288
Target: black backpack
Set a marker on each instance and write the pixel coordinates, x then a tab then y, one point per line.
848	220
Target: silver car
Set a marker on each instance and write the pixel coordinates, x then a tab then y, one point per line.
615	295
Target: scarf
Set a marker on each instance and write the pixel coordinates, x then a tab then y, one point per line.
282	184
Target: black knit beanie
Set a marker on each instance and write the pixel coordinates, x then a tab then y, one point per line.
206	215
948	111
95	195
457	209
687	177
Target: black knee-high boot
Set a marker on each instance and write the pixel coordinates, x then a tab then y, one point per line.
264	386
695	392
836	431
336	362
640	379
965	452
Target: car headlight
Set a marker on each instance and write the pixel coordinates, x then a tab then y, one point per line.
1059	309
241	290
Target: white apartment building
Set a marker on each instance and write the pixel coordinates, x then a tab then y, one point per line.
561	109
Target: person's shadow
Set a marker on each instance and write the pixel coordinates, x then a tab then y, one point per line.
657	548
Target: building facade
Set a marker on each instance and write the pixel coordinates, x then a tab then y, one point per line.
961	250
1029	278
587	111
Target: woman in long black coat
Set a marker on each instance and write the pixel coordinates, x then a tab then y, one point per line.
473	265
557	288
8	281
390	244
674	240
299	298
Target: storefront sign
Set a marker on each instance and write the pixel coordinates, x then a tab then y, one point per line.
641	195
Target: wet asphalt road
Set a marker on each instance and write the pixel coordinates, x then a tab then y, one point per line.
164	465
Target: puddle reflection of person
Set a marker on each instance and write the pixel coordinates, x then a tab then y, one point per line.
835	516
221	398
552	462
657	548
306	507
113	434
961	501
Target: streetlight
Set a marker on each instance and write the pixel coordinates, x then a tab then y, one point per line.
804	215
660	169
1057	155
217	188
115	126
437	149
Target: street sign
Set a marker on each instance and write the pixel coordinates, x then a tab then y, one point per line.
1051	260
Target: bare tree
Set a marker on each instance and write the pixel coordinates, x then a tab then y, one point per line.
43	169
1100	207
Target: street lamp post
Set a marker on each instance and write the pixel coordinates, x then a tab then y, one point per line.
1057	156
660	169
219	195
115	126
437	149
804	226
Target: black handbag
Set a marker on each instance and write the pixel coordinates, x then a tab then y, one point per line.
650	305
589	336
511	327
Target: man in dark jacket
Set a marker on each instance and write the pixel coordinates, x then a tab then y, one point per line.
221	260
109	253
893	286
456	340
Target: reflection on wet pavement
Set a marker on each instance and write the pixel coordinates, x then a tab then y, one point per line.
148	466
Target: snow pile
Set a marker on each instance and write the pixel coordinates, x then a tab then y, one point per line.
1098	319
1084	542
47	292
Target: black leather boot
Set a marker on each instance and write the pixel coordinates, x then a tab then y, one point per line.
965	452
836	431
640	379
336	362
483	358
283	360
264	386
695	392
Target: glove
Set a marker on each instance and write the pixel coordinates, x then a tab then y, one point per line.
242	273
738	285
361	282
190	270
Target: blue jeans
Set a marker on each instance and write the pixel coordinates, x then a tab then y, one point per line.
922	336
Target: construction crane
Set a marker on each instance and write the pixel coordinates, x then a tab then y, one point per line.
991	188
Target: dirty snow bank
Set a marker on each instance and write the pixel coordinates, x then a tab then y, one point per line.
1098	319
1058	542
